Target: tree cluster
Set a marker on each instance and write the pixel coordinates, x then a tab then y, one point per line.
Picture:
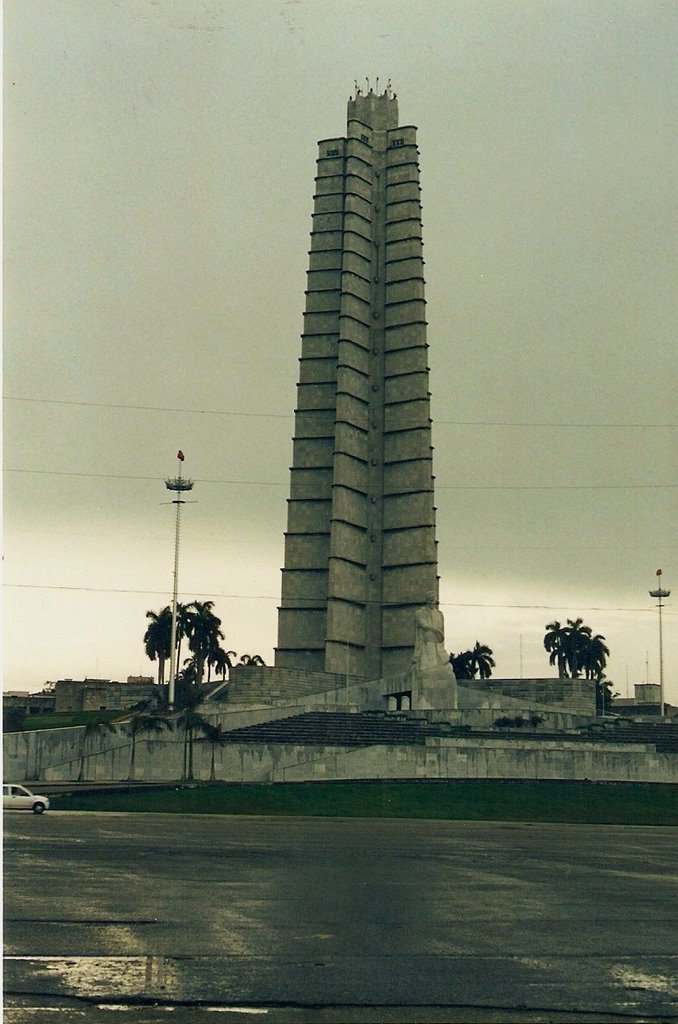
201	628
478	661
575	650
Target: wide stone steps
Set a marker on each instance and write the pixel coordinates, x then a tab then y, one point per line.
343	729
663	735
340	729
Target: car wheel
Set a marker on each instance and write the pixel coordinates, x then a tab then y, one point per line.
38	808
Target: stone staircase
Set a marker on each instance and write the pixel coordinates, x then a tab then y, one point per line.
662	735
345	729
341	729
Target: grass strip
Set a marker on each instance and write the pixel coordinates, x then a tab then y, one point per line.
611	803
67	719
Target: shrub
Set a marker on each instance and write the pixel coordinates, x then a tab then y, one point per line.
13	719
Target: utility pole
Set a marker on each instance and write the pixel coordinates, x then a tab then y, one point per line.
179	485
659	594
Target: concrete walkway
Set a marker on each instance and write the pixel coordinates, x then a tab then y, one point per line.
336	920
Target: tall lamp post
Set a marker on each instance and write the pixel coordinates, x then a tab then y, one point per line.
659	593
179	485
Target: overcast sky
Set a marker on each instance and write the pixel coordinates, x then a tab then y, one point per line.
159	165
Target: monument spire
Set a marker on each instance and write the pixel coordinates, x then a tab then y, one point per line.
360	549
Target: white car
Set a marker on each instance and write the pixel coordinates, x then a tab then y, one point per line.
18	798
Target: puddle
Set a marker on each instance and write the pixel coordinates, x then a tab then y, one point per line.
94	976
171	1009
640	981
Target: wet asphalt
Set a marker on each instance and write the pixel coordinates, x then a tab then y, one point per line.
155	918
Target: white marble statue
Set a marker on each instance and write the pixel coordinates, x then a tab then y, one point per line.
433	684
429	637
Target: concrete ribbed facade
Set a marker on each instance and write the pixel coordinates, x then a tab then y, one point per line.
360	548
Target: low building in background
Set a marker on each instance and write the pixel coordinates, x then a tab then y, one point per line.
78	695
644	703
30	703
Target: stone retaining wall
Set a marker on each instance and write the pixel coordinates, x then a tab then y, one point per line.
252	683
56	755
575	695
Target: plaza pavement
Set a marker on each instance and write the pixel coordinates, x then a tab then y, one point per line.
149	918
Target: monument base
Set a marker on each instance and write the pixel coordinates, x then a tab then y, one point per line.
434	689
426	689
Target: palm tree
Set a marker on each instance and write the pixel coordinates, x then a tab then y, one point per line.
90	730
222	661
188	718
215	737
578	640
140	724
604	695
462	665
482	661
595	658
187	673
185	682
251	659
191	721
219	660
555	643
204	633
576	649
158	638
183	617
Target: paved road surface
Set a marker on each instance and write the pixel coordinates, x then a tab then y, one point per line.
189	919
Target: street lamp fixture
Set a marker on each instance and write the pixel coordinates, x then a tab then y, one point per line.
179	485
659	593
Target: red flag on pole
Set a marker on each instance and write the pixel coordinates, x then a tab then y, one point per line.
658	572
180	456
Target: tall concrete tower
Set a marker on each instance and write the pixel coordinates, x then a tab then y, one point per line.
360	548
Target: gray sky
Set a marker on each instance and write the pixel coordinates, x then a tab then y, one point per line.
159	165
